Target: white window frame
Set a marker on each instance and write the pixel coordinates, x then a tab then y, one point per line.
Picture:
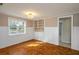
16	19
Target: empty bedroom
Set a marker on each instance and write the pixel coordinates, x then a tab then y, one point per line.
39	28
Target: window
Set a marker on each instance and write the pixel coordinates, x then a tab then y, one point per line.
16	26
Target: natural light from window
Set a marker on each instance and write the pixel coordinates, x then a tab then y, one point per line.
16	26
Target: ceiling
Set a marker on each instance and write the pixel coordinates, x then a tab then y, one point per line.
42	9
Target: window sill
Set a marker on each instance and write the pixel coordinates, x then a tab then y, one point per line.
17	34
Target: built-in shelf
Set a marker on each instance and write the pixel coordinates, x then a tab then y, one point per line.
39	25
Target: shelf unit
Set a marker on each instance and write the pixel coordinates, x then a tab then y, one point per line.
39	25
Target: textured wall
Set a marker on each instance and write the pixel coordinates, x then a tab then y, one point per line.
29	23
51	22
75	38
3	20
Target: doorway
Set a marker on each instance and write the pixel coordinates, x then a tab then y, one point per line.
65	32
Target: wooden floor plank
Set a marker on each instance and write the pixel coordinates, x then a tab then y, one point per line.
35	47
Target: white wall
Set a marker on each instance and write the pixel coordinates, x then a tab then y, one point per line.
49	35
7	40
3	36
39	36
75	39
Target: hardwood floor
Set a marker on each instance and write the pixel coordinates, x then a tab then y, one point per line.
35	47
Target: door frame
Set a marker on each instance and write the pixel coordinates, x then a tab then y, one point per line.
71	27
61	32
